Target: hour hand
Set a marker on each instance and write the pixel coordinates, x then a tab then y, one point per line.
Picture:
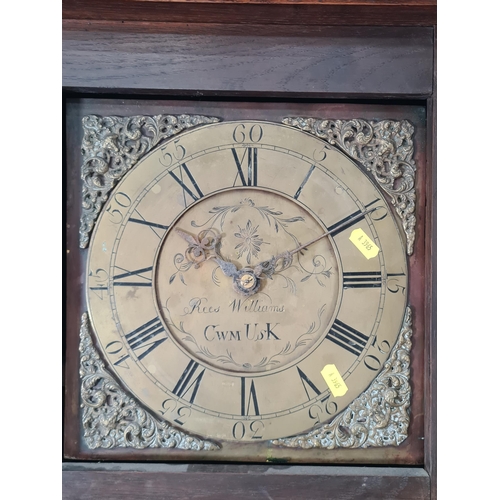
245	280
202	247
228	268
206	246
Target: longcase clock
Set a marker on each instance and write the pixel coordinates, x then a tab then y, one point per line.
246	281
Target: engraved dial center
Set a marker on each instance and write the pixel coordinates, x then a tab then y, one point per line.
247	322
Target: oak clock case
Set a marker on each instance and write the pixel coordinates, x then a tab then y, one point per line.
246	284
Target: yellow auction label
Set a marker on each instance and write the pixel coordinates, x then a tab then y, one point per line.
364	244
334	380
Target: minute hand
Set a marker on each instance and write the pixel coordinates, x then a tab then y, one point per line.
268	267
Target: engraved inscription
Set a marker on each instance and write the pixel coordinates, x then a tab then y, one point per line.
254	305
200	305
253	332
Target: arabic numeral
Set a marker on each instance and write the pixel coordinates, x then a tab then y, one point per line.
114	347
320	154
123	201
393	282
374	363
379	213
384	347
178	153
318	410
98	282
184	412
256	428
242	134
239	430
168	406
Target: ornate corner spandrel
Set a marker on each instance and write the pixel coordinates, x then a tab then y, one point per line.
384	148
111	146
111	418
378	417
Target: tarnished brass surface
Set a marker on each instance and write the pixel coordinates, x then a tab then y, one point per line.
179	337
384	148
111	418
378	417
111	146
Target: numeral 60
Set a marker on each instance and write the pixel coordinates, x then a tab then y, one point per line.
240	133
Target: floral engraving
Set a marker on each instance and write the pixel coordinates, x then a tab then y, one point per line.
272	216
251	242
301	340
182	265
187	337
319	269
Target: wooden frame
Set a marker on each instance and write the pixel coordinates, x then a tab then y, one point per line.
109	57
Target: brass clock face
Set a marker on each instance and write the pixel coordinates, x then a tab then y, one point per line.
233	264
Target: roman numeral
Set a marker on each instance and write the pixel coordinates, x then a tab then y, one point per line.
363	279
248	176
188	382
140	337
306	178
305	380
251	400
347	337
138	275
350	220
154	226
184	170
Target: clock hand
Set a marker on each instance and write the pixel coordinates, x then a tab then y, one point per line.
246	281
267	268
205	247
200	248
228	268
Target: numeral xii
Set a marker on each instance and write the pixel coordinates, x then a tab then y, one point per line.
248	173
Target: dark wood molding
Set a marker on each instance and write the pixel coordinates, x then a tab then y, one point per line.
330	62
213	482
330	13
430	389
